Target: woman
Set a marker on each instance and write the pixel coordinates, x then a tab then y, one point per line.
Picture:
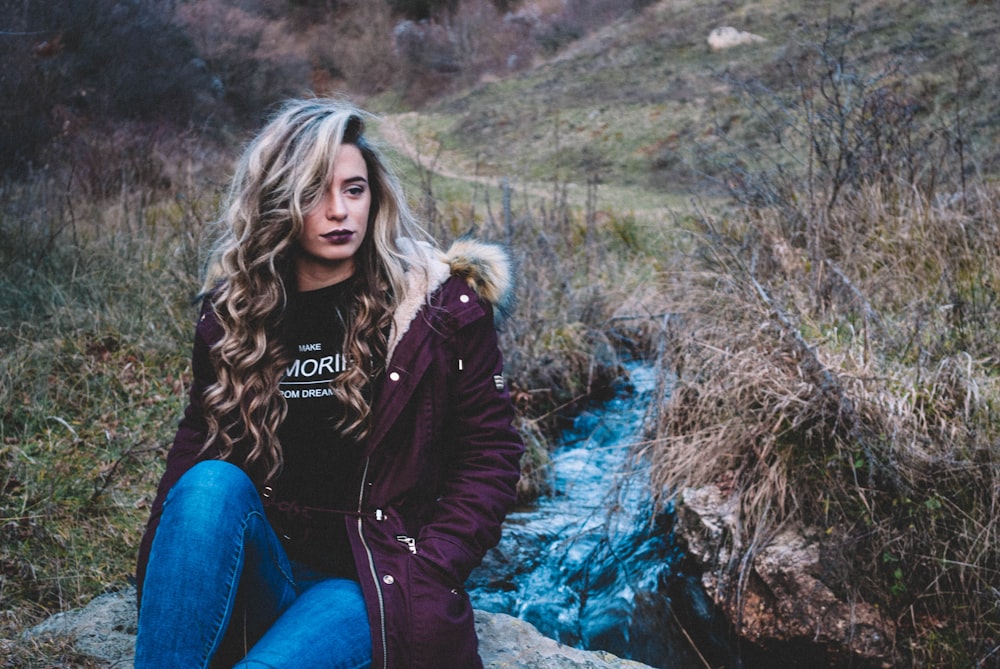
347	455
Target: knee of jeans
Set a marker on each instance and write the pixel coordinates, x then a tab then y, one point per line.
214	482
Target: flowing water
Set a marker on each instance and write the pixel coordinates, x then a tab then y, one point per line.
592	564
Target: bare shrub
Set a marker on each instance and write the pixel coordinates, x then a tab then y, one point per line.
258	59
834	354
576	324
262	53
25	125
487	42
94	59
574	18
459	47
427	57
362	54
824	126
461	43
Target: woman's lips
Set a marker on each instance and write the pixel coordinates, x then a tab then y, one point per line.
338	236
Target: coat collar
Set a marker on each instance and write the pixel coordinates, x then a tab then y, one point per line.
485	267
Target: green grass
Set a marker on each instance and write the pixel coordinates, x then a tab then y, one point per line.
92	382
643	88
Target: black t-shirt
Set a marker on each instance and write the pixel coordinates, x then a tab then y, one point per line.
320	465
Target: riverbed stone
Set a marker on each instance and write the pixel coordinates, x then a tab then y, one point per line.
510	643
783	600
104	630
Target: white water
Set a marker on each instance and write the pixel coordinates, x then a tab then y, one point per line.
576	563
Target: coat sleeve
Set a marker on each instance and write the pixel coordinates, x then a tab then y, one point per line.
484	455
189	440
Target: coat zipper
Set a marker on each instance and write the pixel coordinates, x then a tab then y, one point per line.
371	565
410	542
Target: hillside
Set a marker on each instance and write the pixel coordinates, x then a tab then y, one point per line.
645	104
800	231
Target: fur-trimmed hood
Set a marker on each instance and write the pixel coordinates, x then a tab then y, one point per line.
487	268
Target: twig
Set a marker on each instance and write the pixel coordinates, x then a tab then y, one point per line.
867	311
107	477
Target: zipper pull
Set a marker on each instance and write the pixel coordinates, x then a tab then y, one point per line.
410	542
379	515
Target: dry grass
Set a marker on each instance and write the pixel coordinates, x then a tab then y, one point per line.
96	326
50	653
859	404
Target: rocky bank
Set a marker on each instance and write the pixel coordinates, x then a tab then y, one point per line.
784	606
105	631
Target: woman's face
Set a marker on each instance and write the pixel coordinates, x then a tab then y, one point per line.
334	229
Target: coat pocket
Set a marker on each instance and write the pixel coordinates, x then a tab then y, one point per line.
442	622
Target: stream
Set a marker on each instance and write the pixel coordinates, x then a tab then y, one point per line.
592	565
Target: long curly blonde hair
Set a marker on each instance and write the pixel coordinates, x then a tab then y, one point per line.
281	175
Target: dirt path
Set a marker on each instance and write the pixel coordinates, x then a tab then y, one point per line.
429	155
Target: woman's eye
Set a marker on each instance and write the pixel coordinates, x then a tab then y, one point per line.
356	190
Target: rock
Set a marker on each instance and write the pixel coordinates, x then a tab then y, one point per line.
783	600
510	643
795	604
704	518
105	631
727	37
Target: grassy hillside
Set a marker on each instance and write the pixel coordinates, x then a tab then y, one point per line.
643	102
804	227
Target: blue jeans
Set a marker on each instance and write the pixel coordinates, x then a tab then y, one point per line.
219	582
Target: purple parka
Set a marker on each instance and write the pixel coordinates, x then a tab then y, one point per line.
441	462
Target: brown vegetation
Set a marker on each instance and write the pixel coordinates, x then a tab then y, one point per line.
835	358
